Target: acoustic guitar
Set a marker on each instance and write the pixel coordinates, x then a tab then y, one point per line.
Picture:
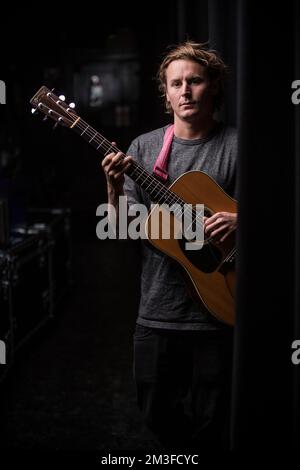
210	270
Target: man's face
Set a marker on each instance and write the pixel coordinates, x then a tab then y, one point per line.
189	91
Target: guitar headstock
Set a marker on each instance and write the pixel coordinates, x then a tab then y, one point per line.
52	106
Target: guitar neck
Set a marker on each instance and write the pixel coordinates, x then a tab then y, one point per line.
157	190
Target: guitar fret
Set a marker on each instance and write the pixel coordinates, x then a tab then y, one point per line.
85	130
136	179
155	186
93	137
148	184
133	172
107	152
100	144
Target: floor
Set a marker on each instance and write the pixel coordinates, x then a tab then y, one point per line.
71	386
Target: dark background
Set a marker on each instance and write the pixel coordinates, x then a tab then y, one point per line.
70	386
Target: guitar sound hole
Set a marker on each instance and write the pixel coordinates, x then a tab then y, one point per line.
206	259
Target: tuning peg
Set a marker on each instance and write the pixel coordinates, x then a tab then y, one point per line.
45	118
62	97
72	105
33	110
55	125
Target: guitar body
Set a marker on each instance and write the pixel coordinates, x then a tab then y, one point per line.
209	270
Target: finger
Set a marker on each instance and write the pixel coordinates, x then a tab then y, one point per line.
215	216
104	161
209	228
114	161
218	231
113	144
222	239
208	221
211	225
226	235
118	157
122	169
119	166
112	174
127	166
122	163
115	170
107	159
119	176
110	156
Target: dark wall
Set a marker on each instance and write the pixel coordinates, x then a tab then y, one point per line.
48	168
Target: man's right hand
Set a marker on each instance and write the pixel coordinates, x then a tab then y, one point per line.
114	166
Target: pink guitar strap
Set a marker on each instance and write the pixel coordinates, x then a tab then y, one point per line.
161	164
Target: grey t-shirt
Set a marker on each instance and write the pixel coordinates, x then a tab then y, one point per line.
165	302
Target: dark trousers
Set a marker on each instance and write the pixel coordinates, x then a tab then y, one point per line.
183	381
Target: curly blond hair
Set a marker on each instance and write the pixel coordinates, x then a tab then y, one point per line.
198	52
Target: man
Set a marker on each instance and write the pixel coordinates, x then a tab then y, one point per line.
182	357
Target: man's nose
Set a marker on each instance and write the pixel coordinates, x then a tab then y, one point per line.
186	89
